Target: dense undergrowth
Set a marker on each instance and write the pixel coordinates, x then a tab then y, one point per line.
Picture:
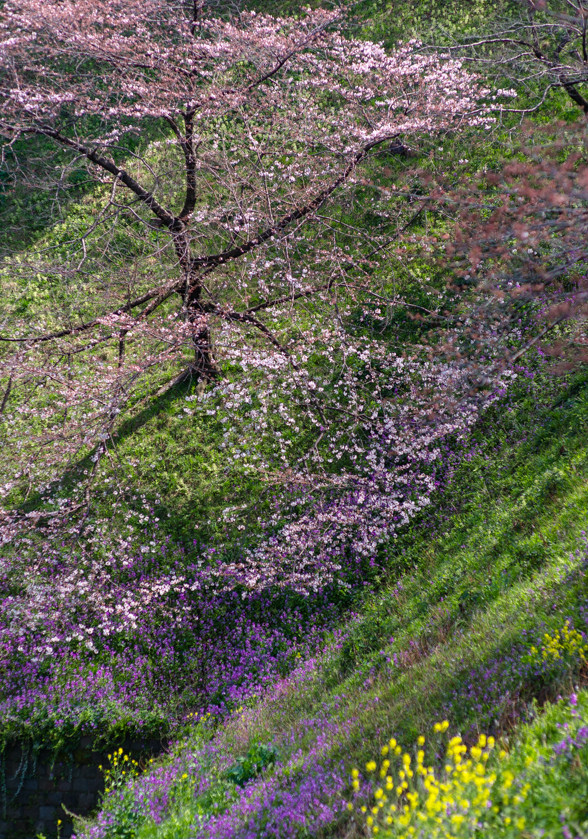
278	702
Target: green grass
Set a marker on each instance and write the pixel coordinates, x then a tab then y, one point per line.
499	567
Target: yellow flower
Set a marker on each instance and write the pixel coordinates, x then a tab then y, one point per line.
508	779
421	740
371	766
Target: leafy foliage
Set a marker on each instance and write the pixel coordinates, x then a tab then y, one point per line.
258	758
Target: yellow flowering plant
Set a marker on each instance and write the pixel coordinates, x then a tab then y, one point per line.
122	767
481	789
413	799
564	645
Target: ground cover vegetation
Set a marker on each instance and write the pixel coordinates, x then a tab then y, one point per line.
445	638
294	410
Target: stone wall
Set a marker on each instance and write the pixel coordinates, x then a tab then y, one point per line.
33	788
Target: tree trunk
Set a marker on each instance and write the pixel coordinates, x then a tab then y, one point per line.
204	368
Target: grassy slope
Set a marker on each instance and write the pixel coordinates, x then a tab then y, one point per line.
505	564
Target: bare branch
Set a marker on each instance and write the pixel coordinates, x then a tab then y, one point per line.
93	156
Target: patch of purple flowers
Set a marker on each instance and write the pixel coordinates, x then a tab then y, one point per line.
141	640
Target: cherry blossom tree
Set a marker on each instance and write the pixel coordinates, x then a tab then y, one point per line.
267	119
225	156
